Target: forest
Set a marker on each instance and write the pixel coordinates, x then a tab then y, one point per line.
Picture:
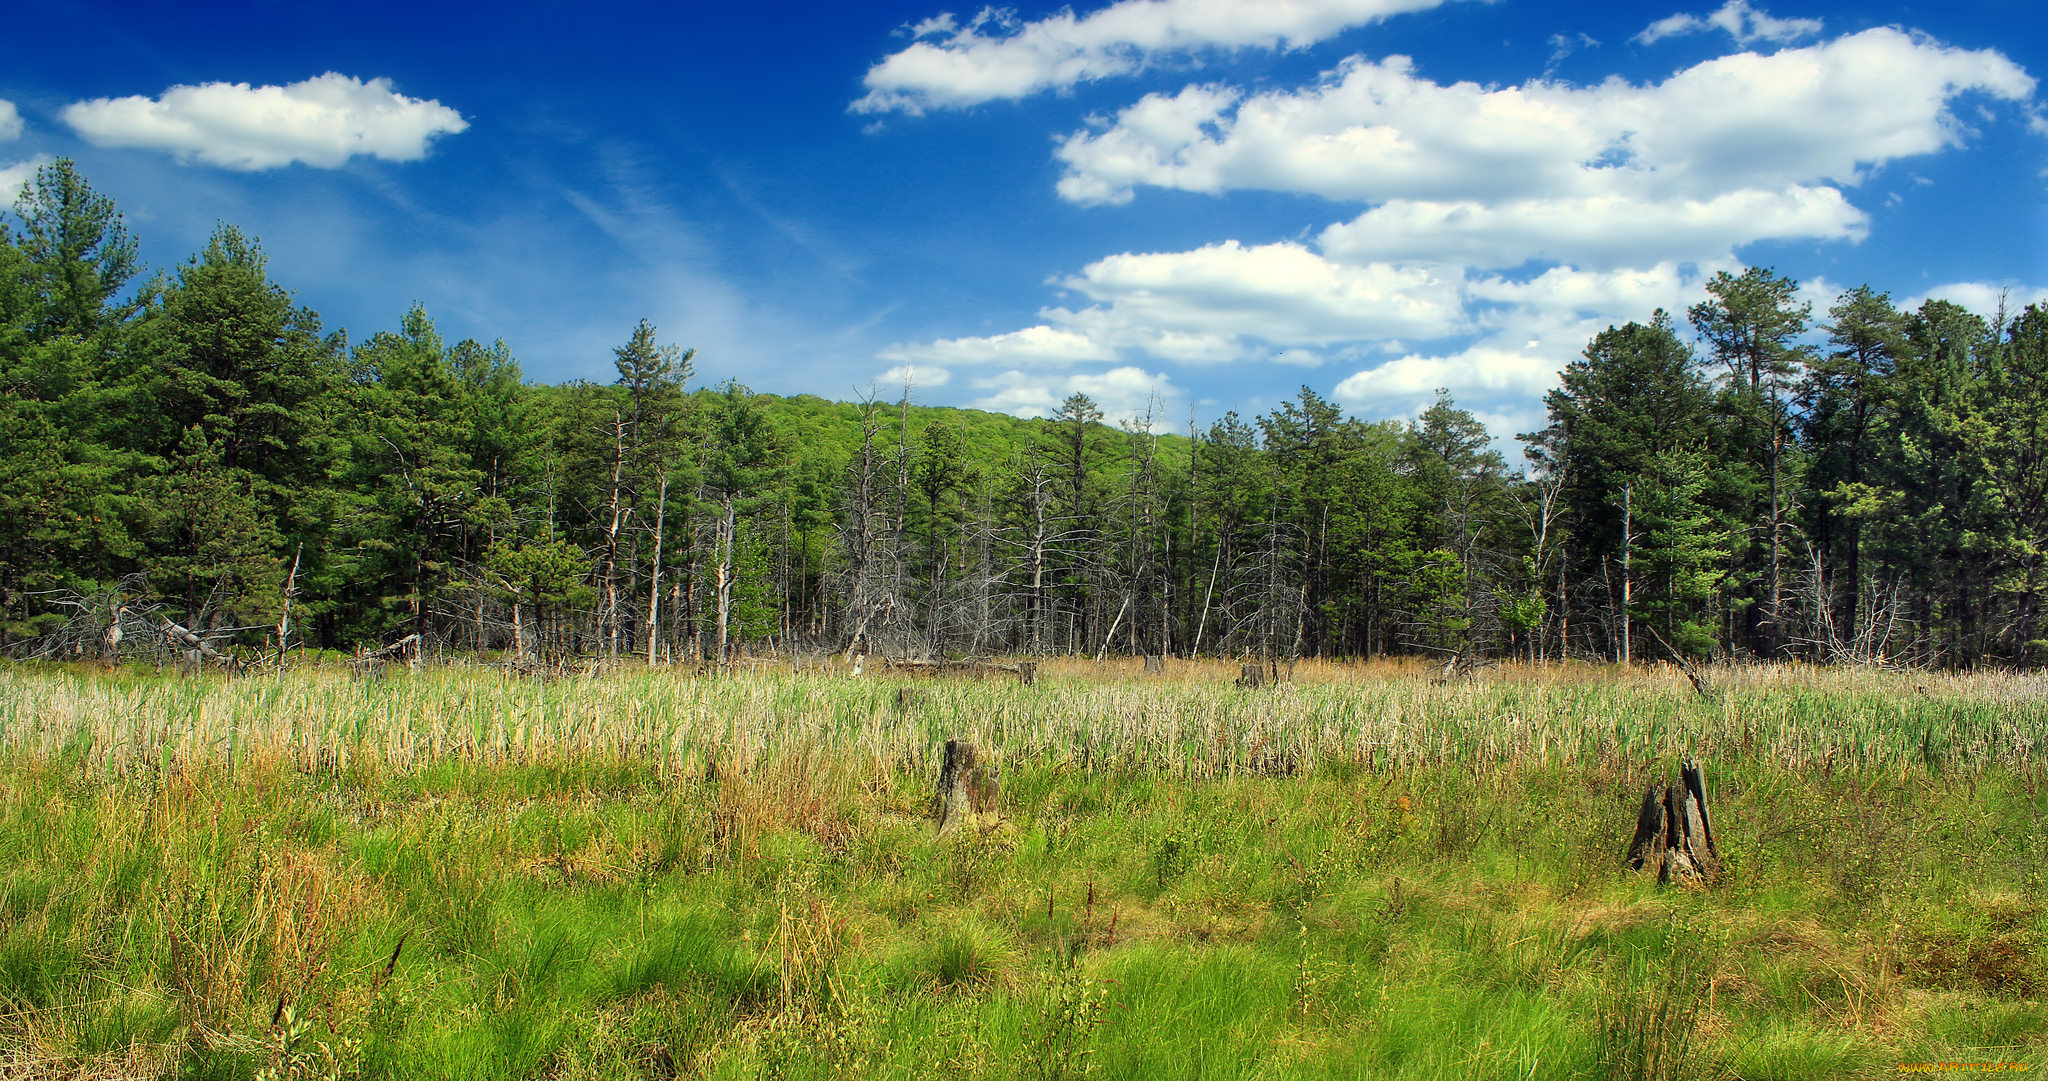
1746	480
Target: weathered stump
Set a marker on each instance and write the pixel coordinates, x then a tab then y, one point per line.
1675	832
967	786
1258	675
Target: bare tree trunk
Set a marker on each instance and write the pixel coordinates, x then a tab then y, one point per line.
1103	653
723	599
1772	637
284	616
1209	595
608	619
1037	552
1628	546
654	575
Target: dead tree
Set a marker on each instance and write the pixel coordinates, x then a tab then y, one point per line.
1674	832
370	663
197	646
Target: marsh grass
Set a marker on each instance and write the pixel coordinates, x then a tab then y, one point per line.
1358	873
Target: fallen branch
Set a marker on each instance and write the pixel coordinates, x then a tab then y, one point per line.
1699	682
192	642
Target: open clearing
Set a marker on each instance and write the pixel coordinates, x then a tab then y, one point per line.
1359	873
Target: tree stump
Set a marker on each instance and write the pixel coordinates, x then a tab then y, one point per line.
1674	831
967	786
1154	663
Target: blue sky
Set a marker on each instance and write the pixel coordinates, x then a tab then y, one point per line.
1198	205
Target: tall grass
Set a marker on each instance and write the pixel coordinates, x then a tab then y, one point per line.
1190	724
452	873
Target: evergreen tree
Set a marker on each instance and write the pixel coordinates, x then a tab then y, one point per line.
79	252
1750	323
1846	408
1632	402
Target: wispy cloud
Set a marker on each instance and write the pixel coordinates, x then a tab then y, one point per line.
1745	24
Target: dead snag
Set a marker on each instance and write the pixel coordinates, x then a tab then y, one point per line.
1675	832
967	786
195	651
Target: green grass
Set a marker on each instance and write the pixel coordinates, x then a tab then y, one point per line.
1361	874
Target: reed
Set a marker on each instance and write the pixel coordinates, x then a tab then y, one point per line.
1362	871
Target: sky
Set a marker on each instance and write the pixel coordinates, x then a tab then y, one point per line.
1177	207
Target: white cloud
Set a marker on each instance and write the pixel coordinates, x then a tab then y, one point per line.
1220	303
1594	231
1744	23
1480	371
10	120
1569	296
1039	346
1530	330
1123	393
1374	131
321	122
1281	293
915	375
12	177
1984	298
1503	226
995	56
1564	45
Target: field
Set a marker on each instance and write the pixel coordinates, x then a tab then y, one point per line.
1360	873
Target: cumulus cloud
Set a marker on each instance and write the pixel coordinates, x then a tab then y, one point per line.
1593	230
1742	22
12	177
916	375
1530	328
1039	346
1282	293
1123	393
10	120
321	122
1374	131
1984	298
994	55
1484	368
1502	227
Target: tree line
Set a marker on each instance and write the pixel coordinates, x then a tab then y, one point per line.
194	449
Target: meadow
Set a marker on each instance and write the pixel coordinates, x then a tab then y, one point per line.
1363	872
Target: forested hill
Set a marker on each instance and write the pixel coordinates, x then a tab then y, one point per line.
195	448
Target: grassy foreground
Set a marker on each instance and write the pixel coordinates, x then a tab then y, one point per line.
1360	874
